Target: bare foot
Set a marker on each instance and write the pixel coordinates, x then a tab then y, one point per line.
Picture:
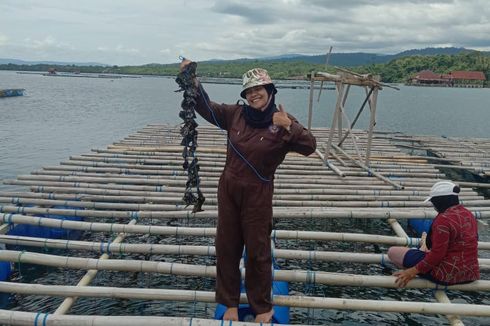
266	317
231	314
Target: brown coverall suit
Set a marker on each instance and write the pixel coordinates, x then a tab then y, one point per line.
245	201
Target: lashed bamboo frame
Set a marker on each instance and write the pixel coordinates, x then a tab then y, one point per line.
99	174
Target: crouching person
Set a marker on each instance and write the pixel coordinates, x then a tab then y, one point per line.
449	252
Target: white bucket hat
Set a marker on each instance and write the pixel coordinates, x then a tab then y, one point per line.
442	188
255	77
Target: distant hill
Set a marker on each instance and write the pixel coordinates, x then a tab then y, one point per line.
391	67
432	51
352	59
57	63
336	59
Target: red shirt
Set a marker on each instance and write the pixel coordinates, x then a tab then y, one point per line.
453	257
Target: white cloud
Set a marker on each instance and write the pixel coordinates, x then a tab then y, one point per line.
134	32
122	49
3	39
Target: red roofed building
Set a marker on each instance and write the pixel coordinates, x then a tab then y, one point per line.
429	78
476	78
452	79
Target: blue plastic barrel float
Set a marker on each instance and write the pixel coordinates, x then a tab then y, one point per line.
420	225
245	313
37	231
5	272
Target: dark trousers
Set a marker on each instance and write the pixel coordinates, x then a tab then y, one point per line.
412	258
244	218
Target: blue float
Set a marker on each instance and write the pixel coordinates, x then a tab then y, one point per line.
5	270
28	230
36	231
245	313
420	225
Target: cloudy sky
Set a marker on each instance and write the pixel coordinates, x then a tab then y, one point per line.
133	32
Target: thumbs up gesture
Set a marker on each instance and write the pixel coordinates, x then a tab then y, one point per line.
281	118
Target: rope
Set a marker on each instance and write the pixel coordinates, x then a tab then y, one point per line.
37	317
45	319
18	263
409	241
383	260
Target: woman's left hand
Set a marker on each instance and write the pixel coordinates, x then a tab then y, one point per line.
405	276
423	242
281	118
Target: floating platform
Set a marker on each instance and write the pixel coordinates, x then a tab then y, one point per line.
11	92
83	75
333	223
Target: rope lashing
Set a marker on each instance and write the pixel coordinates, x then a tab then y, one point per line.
185	79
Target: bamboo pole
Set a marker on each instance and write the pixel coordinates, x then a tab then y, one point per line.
310	100
122	179
372	121
177	178
442	297
118	247
170	169
78	194
67	303
330	164
289	213
323	177
210	232
202	232
285	170
361	165
422	187
281	300
177	204
28	319
85	188
340	93
312	277
400	232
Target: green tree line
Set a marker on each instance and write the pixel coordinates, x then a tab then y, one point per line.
395	71
401	69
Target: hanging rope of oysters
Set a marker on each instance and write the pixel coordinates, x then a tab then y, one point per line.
186	81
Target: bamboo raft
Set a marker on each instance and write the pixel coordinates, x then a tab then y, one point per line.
335	218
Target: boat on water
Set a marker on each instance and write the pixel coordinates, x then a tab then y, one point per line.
11	92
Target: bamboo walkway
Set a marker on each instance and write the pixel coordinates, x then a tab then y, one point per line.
334	221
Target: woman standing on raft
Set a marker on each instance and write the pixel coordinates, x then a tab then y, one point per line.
259	137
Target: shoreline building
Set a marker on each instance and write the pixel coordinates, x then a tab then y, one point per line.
471	79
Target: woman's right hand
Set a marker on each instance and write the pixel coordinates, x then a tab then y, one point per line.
184	64
405	276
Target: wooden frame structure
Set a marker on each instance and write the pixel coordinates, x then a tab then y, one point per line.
343	80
